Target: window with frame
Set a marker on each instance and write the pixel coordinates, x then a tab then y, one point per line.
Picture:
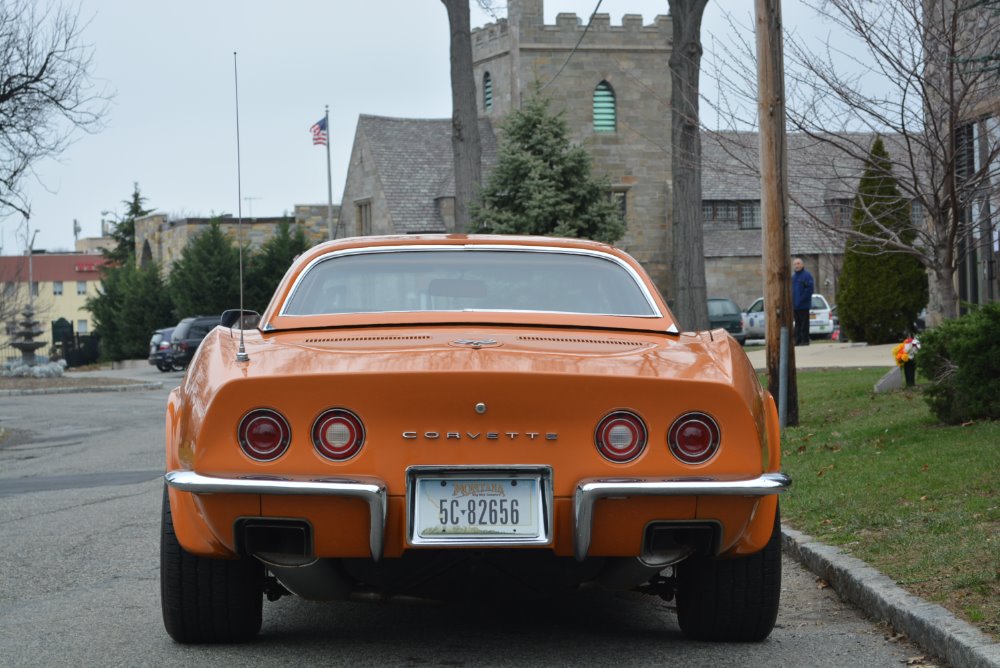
917	214
82	327
744	213
363	218
619	197
81	287
487	91
34	288
840	209
57	288
604	108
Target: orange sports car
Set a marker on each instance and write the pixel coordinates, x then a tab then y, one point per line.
411	413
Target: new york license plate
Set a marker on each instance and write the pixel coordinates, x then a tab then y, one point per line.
449	507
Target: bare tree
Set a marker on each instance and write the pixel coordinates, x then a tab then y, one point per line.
46	91
465	143
690	297
911	71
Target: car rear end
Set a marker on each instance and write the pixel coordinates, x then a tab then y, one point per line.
821	318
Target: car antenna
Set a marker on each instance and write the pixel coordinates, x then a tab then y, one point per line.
241	353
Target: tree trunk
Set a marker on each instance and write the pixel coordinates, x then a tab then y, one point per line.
465	143
689	301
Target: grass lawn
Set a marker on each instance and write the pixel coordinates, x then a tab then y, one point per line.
876	475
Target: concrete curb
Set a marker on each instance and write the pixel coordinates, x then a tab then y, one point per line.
92	388
929	625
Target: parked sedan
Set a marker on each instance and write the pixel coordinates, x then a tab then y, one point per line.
724	313
160	354
472	417
821	323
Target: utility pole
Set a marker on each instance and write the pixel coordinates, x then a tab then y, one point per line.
781	380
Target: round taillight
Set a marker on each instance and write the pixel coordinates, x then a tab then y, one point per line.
264	434
620	436
693	438
338	434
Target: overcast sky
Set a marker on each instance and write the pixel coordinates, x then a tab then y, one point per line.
171	124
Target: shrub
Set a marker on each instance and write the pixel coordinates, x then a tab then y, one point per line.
961	358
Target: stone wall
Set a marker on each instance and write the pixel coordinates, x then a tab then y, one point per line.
363	185
162	240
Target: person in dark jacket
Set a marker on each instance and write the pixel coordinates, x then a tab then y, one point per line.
802	294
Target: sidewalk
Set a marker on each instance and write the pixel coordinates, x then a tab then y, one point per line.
825	354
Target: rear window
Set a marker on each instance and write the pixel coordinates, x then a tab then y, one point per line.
818	302
722	307
181	331
469	280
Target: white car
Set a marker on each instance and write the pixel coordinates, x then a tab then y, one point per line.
820	319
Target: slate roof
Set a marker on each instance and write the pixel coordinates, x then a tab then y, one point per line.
817	173
413	158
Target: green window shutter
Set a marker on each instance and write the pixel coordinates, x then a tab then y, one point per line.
604	108
487	91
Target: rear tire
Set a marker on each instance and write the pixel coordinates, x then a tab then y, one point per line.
207	600
731	600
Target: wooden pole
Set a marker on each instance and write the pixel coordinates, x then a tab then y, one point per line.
774	204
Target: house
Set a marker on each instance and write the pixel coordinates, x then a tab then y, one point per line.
61	283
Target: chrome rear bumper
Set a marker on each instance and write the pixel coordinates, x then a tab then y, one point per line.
373	492
589	491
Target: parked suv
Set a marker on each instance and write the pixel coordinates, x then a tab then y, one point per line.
160	354
188	335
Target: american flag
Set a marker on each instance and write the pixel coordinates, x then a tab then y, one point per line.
319	132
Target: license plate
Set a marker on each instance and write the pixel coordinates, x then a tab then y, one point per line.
478	507
812	316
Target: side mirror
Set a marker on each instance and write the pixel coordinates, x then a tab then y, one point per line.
244	319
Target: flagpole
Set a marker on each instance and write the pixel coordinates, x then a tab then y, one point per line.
329	182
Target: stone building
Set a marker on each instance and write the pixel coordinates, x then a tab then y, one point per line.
614	93
161	239
400	178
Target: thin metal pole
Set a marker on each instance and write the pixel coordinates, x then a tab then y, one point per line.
329	181
241	353
783	380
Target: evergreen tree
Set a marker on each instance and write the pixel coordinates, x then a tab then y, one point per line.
206	278
542	185
880	293
132	304
268	265
133	301
124	229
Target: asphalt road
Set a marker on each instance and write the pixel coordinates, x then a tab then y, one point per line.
80	491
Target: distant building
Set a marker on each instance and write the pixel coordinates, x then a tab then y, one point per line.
61	283
161	239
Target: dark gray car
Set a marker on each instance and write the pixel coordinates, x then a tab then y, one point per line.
724	313
188	335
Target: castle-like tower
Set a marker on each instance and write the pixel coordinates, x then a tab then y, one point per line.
613	87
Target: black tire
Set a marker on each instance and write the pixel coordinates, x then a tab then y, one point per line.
163	367
207	600
731	600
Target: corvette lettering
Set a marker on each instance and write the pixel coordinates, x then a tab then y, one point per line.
473	436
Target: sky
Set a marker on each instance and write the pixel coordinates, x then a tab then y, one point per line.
171	124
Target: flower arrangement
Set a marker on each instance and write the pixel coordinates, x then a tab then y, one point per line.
906	351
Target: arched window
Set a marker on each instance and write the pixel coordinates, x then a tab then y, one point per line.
487	91
604	108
